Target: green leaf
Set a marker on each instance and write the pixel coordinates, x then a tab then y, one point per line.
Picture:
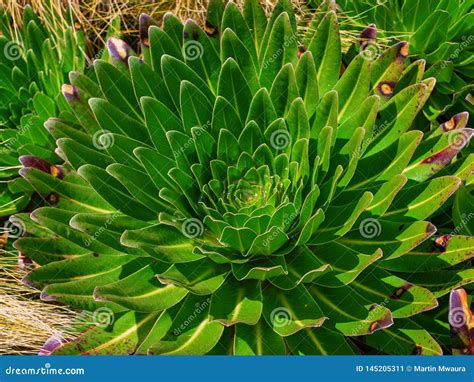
304	268
201	277
340	219
175	71
117	88
114	192
256	20
260	269
123	336
234	87
428	36
200	54
326	49
319	341
405	337
280	50
233	47
57	221
353	87
326	114
452	251
72	191
115	120
290	311
395	239
163	242
237	302
284	90
345	264
306	79
46	250
224	116
397	116
258	339
141	291
420	201
357	317
197	341
401	297
234	21
196	110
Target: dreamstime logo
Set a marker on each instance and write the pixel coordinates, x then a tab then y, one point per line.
460	138
12	50
457	318
103	317
466	41
376	309
370	228
280	139
280	317
465	218
192	228
14	228
192	50
190	143
289	41
287	220
24	128
199	308
378	129
100	231
103	139
370	51
97	56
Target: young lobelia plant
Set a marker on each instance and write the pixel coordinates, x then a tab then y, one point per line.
35	60
439	32
235	191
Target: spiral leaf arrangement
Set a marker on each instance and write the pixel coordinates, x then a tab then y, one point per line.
265	195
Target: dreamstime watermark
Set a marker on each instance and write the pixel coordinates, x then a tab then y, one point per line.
378	129
280	317
200	307
14	228
370	51
192	50
97	56
103	139
466	41
286	44
103	317
45	370
465	219
376	309
457	318
280	139
24	128
192	228
190	142
287	220
12	50
101	230
459	138
370	228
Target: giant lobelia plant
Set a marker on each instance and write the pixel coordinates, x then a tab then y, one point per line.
234	191
35	60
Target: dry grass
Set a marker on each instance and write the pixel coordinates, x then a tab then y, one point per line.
96	17
25	321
